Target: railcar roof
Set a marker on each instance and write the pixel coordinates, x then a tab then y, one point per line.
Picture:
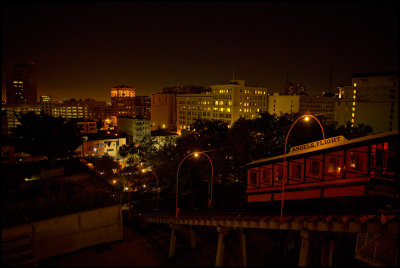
326	146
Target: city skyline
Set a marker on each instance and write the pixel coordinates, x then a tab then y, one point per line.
82	50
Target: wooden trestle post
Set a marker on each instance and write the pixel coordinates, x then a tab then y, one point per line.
192	237
172	241
243	247
305	247
222	232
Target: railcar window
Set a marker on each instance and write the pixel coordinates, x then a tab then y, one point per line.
334	165
390	165
357	162
296	171
383	159
314	168
266	176
278	172
253	177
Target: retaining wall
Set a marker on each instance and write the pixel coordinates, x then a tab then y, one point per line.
60	235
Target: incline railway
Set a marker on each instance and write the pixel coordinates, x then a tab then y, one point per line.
327	187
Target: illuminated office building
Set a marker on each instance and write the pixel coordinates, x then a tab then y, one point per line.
227	102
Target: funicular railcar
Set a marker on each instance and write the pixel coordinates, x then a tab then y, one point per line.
332	174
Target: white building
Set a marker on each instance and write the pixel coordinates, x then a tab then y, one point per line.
136	129
281	104
227	102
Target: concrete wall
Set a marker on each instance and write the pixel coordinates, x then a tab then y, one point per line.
60	235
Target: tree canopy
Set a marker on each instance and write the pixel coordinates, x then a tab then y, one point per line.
46	135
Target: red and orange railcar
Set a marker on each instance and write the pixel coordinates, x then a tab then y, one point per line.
330	169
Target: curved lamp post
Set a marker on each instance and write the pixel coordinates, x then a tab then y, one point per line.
196	154
306	117
147	169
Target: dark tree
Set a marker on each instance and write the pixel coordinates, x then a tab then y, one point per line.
46	135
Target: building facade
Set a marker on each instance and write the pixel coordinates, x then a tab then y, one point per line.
163	111
11	111
227	102
123	101
372	99
279	104
87	127
100	147
70	109
21	85
319	105
46	104
135	129
143	106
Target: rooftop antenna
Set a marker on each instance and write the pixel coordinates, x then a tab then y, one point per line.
233	75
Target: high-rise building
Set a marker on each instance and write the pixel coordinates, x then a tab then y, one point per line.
96	109
123	101
372	99
143	106
21	85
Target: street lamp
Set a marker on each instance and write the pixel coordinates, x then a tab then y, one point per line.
147	169
196	154
306	117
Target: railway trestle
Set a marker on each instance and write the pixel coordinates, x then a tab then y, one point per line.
309	226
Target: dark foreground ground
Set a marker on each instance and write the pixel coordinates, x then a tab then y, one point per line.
148	246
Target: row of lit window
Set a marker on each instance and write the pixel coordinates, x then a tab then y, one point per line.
223	102
353	109
254	91
249	110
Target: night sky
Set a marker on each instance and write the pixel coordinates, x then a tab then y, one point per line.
84	49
